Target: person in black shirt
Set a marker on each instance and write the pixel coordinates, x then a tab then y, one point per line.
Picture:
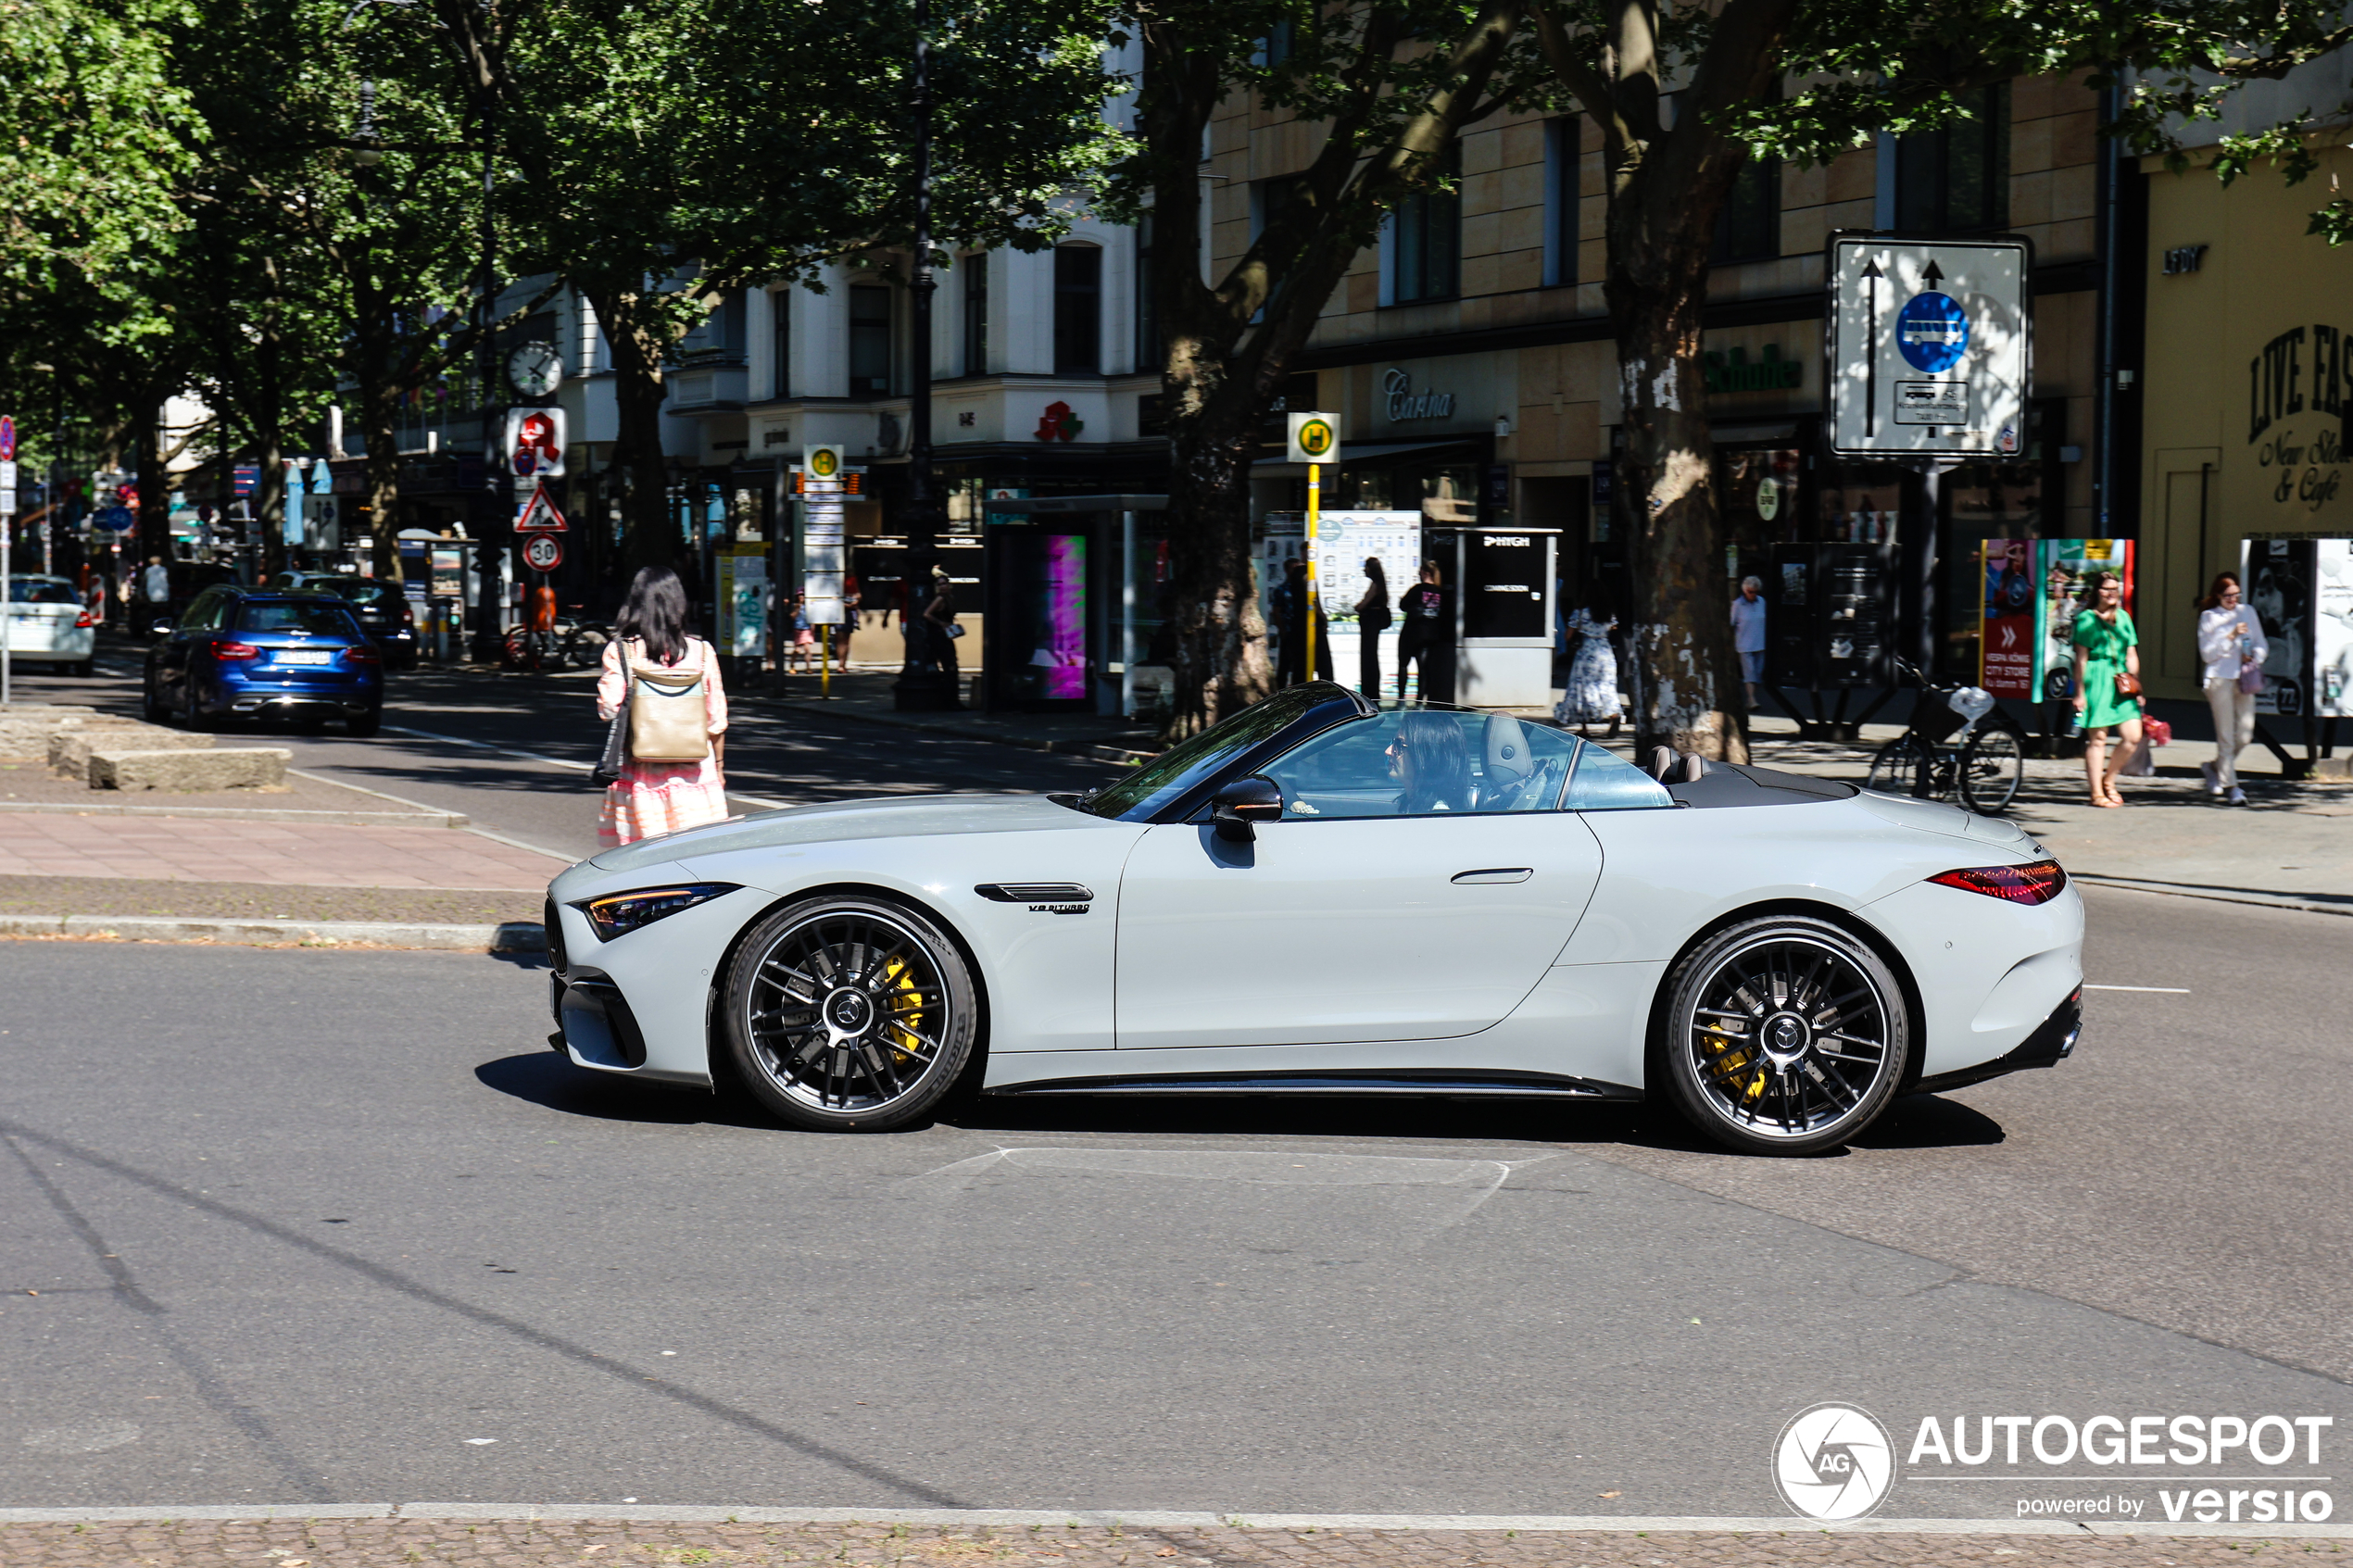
1427	634
1290	618
1372	620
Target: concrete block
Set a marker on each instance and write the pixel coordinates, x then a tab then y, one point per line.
25	727
190	772
69	750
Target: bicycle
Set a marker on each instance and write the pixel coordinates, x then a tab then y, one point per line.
1964	743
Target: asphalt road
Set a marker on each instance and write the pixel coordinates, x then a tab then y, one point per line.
295	1226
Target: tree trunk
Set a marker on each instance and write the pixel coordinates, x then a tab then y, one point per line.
648	536
379	431
1220	632
155	482
269	499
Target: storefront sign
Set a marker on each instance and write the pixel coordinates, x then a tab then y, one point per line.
1732	371
1405	403
2006	629
2304	370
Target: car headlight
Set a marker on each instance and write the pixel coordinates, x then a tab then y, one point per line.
622	913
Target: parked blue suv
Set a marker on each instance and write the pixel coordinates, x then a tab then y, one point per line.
257	651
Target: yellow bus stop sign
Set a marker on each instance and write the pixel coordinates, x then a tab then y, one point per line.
1314	438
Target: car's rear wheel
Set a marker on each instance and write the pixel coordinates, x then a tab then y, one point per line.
151	703
849	1013
1783	1034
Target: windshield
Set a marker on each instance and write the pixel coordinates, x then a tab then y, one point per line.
40	591
352	590
1142	793
325	618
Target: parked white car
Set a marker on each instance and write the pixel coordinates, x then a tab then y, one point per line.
47	621
1315	898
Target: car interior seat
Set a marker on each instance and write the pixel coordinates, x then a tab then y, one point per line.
1507	762
1662	764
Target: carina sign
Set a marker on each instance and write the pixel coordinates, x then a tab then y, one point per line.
1405	403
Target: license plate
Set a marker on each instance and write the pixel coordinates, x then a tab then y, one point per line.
305	659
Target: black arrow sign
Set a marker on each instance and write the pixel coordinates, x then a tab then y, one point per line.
1934	275
1871	276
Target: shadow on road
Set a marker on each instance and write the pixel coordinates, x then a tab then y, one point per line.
546	1079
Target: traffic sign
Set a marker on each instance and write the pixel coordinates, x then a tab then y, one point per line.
118	519
1930	345
1314	438
539	514
823	462
543	552
7	439
8	473
536	442
8	501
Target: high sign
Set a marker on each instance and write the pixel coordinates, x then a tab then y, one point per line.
1314	438
1930	347
534	442
539	514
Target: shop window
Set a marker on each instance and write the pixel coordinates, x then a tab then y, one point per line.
780	378
1561	192
1425	238
1749	229
975	270
1958	177
1079	288
869	340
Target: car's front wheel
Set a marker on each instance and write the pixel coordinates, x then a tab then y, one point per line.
849	1013
1783	1034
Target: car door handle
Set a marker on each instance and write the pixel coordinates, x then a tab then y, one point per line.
1493	876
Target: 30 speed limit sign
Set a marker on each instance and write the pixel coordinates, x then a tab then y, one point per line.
543	552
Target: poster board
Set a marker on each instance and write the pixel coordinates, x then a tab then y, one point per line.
2006	623
743	601
2333	627
2062	565
1342	542
2280	577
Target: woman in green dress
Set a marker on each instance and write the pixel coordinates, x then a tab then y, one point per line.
2107	645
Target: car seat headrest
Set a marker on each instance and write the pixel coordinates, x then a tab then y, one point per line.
1504	750
1690	768
1660	764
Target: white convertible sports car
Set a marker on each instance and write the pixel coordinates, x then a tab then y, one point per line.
1316	896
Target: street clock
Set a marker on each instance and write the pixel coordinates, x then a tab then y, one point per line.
535	370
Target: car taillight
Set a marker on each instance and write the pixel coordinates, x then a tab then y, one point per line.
2038	882
83	621
363	655
235	650
407	614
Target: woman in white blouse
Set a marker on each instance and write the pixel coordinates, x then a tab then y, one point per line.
2230	642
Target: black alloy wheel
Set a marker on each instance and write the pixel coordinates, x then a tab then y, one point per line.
848	1012
1784	1035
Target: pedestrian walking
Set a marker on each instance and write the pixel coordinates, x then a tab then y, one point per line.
2230	646
804	636
1591	694
1748	635
939	621
155	585
671	775
1423	636
1372	620
848	626
2107	684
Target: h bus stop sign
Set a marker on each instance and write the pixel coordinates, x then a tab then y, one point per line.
1928	347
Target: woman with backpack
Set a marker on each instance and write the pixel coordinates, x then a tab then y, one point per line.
660	691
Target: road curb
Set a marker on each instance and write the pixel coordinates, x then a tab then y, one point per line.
1142	1519
246	814
2177	890
509	937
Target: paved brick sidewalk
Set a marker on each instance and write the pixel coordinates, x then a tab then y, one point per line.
226	850
399	1543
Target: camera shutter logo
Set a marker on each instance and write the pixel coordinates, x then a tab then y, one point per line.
1833	1462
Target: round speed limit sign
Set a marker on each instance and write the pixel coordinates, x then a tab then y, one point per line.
543	552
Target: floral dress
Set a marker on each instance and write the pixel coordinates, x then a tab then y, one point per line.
651	799
2103	647
1592	673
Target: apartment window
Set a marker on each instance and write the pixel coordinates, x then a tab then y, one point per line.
780	382
1958	177
1427	238
1276	48
1148	353
1749	229
975	270
869	340
1562	188
1079	289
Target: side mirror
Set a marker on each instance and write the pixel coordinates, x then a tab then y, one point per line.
1237	806
159	629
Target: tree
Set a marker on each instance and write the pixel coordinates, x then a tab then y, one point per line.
662	170
1384	90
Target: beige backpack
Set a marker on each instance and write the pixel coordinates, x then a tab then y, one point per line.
667	718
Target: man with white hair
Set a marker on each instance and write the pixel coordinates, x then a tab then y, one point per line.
1748	635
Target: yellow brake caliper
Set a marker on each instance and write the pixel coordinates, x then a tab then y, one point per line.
906	1008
